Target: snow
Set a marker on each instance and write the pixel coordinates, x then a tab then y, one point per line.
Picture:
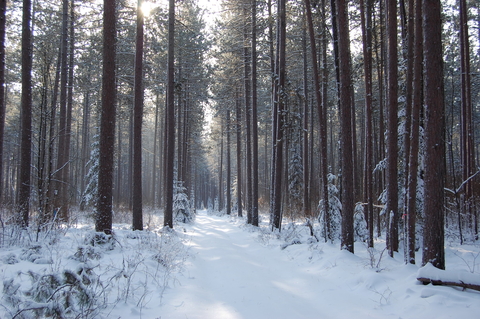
218	267
458	276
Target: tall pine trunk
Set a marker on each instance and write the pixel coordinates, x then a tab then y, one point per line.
228	182
238	130
433	236
411	210
321	113
254	118
137	222
366	21
347	183
170	120
26	105
392	136
103	220
3	9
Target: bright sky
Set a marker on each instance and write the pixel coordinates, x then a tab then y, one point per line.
212	7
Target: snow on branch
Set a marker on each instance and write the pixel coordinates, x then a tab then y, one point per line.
431	274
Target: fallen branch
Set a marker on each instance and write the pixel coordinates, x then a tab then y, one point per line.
429	274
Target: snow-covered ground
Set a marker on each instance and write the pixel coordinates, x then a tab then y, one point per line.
218	267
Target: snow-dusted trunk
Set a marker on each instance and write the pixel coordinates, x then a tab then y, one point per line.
411	200
238	129
346	126
248	111
279	106
3	9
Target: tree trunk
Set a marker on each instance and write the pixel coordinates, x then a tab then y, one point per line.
68	120
103	220
170	119
392	136
346	126
279	102
467	145
321	112
411	210
59	202
248	112
305	121
228	186
238	129
323	126
254	118
26	105
221	204
3	9
137	222
433	236
155	143
366	21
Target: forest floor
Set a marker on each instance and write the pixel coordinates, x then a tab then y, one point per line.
218	267
241	272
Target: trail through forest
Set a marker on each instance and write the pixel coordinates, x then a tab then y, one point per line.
240	272
233	276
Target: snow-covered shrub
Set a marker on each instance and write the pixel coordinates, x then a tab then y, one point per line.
290	235
64	295
91	190
100	239
182	212
32	253
334	211
87	252
10	259
295	179
360	224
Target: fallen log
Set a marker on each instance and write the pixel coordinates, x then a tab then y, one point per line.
430	274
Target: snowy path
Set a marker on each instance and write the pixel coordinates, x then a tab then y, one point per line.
233	276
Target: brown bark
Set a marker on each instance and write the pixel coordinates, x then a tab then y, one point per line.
279	105
238	130
320	110
433	236
59	202
26	105
254	118
228	182
411	211
103	220
170	119
467	146
366	21
392	136
137	221
248	113
323	126
346	126
305	121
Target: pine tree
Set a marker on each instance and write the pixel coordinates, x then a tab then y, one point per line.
103	222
